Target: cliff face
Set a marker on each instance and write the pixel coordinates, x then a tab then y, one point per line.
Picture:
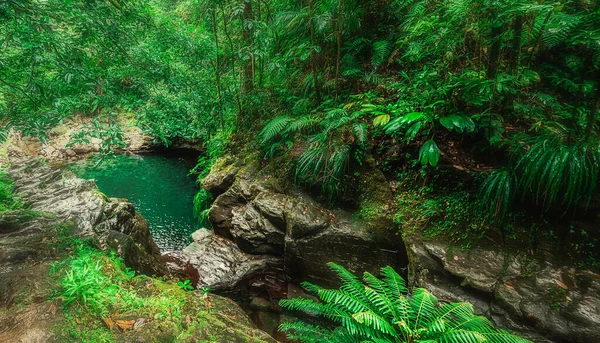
540	296
281	223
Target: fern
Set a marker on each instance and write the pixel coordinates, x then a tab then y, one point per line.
382	311
498	192
276	127
552	170
381	51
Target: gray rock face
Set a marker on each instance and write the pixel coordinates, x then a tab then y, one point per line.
542	299
113	221
260	219
215	262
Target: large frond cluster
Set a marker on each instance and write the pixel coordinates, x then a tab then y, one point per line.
382	310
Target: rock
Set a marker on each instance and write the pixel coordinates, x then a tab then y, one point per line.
255	234
272	206
262	220
216	262
113	221
221	176
344	242
557	303
264	305
70	153
304	218
295	291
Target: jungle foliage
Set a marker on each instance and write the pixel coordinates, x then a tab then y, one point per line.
381	310
337	79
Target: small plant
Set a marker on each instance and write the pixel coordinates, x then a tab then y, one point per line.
381	310
7	198
336	142
185	285
498	192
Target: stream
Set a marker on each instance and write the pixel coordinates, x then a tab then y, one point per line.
159	187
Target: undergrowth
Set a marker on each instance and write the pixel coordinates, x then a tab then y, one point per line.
7	199
96	288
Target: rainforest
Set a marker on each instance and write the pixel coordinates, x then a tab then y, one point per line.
308	171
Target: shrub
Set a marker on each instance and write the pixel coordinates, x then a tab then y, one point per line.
381	310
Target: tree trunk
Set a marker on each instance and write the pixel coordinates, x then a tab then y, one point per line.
313	42
217	65
248	83
339	47
591	117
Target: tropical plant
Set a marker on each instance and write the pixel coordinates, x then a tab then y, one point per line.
334	142
382	310
559	174
498	192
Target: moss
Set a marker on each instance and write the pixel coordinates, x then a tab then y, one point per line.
101	293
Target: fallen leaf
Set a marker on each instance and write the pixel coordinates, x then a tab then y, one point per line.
509	285
561	284
52	309
125	324
109	323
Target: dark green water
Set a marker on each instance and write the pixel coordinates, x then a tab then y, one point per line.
158	186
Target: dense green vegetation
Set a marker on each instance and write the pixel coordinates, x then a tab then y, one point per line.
381	310
464	83
484	112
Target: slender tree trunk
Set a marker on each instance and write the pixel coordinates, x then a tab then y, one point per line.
515	52
217	64
248	15
536	47
591	117
232	52
339	47
494	55
313	42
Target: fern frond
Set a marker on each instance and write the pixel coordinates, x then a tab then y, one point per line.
276	127
376	322
381	51
422	308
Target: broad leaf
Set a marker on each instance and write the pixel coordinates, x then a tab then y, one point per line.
429	153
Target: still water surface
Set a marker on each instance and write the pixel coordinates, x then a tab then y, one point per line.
158	186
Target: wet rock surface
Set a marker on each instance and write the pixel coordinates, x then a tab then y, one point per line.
26	314
65	206
261	219
215	262
113	221
541	298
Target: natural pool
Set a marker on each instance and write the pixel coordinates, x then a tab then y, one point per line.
158	186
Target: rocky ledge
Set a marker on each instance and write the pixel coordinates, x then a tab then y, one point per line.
270	228
113	221
540	296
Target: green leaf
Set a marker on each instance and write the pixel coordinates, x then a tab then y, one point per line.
429	153
381	120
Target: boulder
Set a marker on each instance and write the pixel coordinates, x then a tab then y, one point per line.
215	262
254	233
